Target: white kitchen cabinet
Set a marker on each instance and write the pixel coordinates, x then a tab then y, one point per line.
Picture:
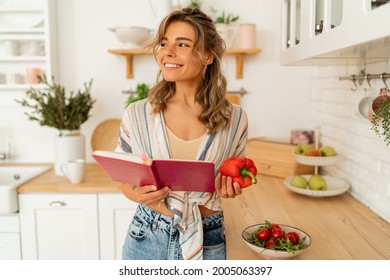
9	237
27	27
115	214
335	32
59	226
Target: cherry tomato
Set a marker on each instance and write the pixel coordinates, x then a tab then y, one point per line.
274	226
271	243
294	234
263	234
277	233
291	237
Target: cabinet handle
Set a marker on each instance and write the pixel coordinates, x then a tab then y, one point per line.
57	204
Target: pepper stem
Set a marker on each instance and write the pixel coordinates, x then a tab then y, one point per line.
245	172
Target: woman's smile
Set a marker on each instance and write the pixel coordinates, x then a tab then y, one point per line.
172	66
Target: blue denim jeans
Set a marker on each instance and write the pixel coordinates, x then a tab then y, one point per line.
151	236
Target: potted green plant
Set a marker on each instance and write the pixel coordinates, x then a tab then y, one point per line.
194	4
141	92
51	106
225	27
226	18
381	117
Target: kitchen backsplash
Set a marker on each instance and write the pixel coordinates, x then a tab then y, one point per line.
365	160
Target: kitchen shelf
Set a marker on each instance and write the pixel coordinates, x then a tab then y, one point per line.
130	53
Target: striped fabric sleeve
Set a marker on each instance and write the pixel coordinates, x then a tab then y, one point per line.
123	143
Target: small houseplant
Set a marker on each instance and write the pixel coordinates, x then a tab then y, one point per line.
141	92
223	22
381	117
226	18
52	106
195	4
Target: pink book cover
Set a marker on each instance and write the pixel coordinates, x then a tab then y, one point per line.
179	175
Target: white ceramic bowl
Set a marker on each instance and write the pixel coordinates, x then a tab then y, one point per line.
132	36
271	253
319	161
335	186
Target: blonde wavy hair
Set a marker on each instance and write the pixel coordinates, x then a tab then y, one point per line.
211	94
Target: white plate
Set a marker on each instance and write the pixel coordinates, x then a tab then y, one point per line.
271	253
319	161
335	186
23	19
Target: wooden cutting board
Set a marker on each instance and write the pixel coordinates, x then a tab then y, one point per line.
105	135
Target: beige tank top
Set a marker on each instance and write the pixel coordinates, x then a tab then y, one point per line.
183	149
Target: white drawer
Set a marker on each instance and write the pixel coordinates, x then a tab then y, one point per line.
9	223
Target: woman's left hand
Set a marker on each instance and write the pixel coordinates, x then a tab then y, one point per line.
226	188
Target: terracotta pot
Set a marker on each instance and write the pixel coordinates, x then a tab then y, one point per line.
377	102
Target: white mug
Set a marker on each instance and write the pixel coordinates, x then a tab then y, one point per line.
74	170
3	78
34	48
11	47
13	78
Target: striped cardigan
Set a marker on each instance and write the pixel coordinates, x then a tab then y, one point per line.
144	132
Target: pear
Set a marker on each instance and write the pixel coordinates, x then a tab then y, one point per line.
327	151
317	183
301	148
299	182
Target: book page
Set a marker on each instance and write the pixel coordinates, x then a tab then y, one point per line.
124	156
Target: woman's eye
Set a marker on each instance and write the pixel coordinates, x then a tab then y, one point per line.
183	45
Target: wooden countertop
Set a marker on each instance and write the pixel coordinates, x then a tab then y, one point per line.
340	227
95	180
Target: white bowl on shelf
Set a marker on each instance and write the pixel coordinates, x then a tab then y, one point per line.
316	161
20	20
132	36
335	186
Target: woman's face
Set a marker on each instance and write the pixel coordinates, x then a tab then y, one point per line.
176	54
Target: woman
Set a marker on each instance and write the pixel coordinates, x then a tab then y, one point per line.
186	116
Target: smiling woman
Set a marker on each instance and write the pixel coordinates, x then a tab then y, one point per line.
190	84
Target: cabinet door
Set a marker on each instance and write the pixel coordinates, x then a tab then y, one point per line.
9	246
9	237
59	226
115	214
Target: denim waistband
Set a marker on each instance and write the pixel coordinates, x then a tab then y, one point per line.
165	222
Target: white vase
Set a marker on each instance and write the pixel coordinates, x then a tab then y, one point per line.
228	32
69	145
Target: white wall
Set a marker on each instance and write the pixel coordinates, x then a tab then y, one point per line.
365	158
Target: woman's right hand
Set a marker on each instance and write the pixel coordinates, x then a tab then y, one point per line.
147	194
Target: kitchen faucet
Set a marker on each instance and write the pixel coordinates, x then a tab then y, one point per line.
6	155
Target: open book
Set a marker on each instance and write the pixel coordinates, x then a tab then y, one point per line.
179	175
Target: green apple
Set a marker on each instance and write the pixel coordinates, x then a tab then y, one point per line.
327	151
317	183
299	182
301	148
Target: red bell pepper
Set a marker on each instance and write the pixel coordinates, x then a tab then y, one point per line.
241	169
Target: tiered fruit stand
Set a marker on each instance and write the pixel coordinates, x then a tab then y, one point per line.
335	186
